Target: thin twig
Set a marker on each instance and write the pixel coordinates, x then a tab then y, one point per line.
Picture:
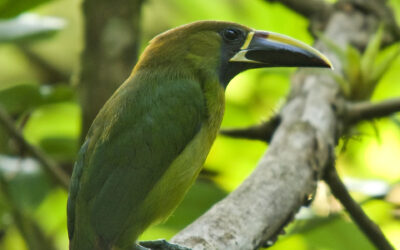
356	112
29	229
370	229
261	132
48	164
50	73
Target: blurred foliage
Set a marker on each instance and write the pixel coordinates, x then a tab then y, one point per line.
28	27
10	8
362	72
32	210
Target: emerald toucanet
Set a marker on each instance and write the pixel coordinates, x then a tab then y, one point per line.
148	143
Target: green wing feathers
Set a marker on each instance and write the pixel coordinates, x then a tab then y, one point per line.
132	142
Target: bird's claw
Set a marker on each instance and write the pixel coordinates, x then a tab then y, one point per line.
161	245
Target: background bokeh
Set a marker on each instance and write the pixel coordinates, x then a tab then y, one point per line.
39	62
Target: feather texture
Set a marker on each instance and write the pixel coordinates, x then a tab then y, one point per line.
149	133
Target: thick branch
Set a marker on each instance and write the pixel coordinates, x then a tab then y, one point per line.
300	149
370	229
356	112
261	132
381	11
51	167
264	203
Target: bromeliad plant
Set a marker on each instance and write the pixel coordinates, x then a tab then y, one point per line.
362	72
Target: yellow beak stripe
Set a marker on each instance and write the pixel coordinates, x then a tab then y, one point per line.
241	55
248	40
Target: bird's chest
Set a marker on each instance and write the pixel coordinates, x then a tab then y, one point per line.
215	101
185	168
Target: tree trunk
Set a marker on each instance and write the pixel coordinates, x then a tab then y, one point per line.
111	50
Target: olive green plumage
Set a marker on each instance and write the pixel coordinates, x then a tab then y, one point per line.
149	141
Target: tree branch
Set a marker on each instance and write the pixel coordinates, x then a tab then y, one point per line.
262	132
257	211
51	167
370	229
49	73
309	8
29	229
300	149
381	11
356	112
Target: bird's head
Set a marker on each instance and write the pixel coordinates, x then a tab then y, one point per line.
224	49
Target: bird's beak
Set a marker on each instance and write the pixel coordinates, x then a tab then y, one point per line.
267	49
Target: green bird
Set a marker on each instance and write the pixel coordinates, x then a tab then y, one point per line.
148	143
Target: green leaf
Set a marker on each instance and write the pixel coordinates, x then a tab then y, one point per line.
395	120
383	67
19	98
32	233
345	85
371	52
53	120
28	27
28	228
11	8
353	68
27	183
57	93
60	148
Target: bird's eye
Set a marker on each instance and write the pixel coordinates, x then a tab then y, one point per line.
231	34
